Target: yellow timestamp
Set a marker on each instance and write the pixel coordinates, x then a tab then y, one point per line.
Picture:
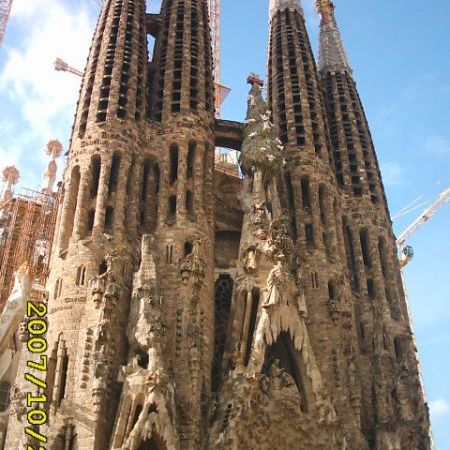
38	361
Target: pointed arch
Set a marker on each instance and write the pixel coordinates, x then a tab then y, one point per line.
153	443
291	361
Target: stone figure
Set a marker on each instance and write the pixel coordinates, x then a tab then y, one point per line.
250	264
97	285
275	283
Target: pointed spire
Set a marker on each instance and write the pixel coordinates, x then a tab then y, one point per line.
54	149
280	5
332	56
260	148
10	177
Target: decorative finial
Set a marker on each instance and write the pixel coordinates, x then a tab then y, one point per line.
254	78
326	9
281	5
332	56
54	149
10	176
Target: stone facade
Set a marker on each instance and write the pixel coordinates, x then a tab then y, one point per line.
192	309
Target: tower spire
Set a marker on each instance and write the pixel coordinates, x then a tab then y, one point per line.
332	56
279	5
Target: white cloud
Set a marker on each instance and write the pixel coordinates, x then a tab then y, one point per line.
439	408
393	174
437	146
44	97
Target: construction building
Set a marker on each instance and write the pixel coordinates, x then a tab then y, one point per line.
191	308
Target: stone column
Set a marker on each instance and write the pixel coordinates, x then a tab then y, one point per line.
102	195
82	205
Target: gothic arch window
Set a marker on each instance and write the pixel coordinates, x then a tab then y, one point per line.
63	379
383	256
81	276
306	194
173	174
74	187
114	174
365	247
169	254
309	235
51	372
322	204
189	203
350	253
191	160
172	207
223	294
95	175
331	290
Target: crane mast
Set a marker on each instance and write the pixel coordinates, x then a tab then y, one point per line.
5	10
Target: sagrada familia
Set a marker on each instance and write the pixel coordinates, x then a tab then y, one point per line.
193	309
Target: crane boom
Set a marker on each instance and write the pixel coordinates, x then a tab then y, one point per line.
443	198
5	10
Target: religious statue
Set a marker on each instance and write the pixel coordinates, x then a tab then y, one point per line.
275	283
250	264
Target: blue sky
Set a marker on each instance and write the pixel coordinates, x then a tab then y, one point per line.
400	53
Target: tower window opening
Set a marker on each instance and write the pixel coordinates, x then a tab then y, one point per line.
309	234
191	160
350	253
81	276
114	174
187	248
365	247
189	203
173	163
306	195
109	217
90	221
103	267
331	290
371	288
169	254
172	206
95	175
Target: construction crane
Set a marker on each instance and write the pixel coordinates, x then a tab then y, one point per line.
406	252
62	66
5	10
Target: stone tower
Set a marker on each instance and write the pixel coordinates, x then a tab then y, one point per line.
192	309
385	355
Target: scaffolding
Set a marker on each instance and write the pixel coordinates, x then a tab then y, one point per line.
27	225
